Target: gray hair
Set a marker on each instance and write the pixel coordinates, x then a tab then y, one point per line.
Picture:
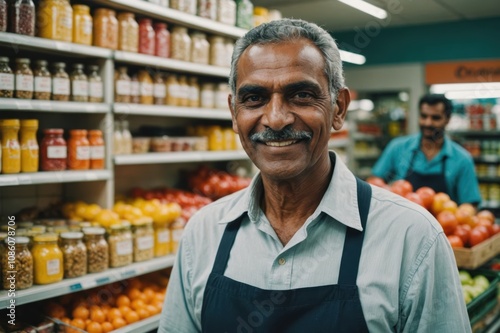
289	30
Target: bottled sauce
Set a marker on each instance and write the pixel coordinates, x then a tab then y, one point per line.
143	235
48	259
162	239
22	17
74	254
183	91
244	14
23	264
79	84
135	90
105	28
97	149
146	87
128	32
146	37
117	139
173	91
162	40
200	48
65	21
24	79
159	89
11	151
6	79
53	150
96	90
221	95
42	81
207	95
97	249
61	86
194	92
82	25
181	44
217	51
78	150
126	138
120	245
207	9
29	145
226	12
122	86
3	15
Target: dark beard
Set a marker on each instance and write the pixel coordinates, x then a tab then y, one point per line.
437	133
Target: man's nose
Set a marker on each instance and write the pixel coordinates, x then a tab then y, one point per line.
277	113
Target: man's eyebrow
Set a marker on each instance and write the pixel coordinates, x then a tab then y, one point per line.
301	85
250	89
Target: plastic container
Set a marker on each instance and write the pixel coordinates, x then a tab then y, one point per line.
11	150
128	32
122	85
78	150
79	84
6	79
22	17
96	90
143	235
61	85
48	259
82	25
42	81
181	44
53	151
29	145
105	28
23	264
140	145
97	249
146	36
120	245
24	79
97	150
162	40
74	254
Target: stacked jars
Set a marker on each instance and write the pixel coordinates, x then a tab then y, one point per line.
48	259
105	28
128	32
97	249
82	25
74	254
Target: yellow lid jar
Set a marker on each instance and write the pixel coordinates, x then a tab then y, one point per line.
48	259
29	145
11	150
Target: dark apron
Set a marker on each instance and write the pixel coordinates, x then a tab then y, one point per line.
436	181
230	306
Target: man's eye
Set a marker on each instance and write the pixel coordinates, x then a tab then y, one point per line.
303	94
252	99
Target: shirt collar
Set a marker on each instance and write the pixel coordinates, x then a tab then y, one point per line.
446	150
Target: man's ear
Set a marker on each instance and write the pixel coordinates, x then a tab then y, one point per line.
233	115
340	112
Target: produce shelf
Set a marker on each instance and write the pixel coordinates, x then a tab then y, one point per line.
482	133
487	158
180	157
171	111
67	286
144	325
488	179
52	106
51	177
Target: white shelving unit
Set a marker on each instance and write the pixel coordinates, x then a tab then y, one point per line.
54	177
169	111
52	106
180	157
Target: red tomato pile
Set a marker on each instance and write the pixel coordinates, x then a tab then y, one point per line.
462	224
215	184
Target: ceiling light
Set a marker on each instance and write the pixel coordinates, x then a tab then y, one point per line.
366	7
353	58
472	94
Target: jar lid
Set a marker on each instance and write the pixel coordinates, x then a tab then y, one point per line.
94	231
4	59
29	123
72	235
82	8
93	67
60	229
9	122
41	62
46	238
78	66
23	60
38	228
180	29
78	132
53	131
260	11
59	65
19	240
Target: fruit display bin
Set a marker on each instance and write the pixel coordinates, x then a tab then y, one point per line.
485	308
472	258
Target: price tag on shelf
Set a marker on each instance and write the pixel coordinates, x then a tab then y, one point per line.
75	287
24	105
103	280
130	273
8	180
87	284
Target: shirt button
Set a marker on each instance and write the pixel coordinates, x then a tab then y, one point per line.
281	261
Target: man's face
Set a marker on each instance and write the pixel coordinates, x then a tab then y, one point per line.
432	121
283	110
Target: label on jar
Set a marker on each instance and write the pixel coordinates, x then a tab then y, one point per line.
174	90
159	90
145	243
95	89
97	152
207	99
122	87
6	81
80	88
177	234
67	21
124	248
43	84
194	94
24	82
221	100
146	89
163	236
135	88
184	91
60	86
82	153
53	266
87	27
56	152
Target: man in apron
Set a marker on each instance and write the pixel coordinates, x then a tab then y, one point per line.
307	247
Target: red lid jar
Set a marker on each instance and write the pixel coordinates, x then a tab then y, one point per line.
53	150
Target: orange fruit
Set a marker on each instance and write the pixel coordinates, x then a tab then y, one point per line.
118	322
137	304
81	312
131	317
143	313
93	327
105	308
450	206
159	297
158	305
55	310
122	300
97	315
66	320
78	323
124	310
152	310
438	202
486	214
113	313
107	327
134	293
149	293
468	207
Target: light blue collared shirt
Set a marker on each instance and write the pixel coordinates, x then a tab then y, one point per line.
408	278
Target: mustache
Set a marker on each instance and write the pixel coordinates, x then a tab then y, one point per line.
282	135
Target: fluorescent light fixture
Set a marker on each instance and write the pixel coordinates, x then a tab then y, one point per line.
472	94
366	7
467	90
353	58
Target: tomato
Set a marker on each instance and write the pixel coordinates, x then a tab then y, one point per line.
487	224
412	196
438	202
402	185
484	230
455	241
463	233
495	228
464	217
486	214
427	195
448	221
476	237
377	181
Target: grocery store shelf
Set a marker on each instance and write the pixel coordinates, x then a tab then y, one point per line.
154	62
144	325
487	158
50	177
488	179
52	106
180	157
17	41
482	133
171	111
366	156
338	143
490	204
174	16
366	137
67	286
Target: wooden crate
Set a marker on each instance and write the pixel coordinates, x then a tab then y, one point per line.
472	258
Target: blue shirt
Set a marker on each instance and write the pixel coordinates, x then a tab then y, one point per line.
460	175
408	278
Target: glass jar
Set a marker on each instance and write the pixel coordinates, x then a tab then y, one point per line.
126	137
105	28
47	259
186	6
215	138
162	239
221	95
143	234
61	86
82	25
22	17
159	89
78	150
96	90
135	89
217	51
260	16
120	245
228	138
29	145
97	249
244	14
226	12
176	231
207	9
207	95
3	15
183	91
146	87
53	150
97	150
117	139
128	32
24	79
146	37
122	85
65	21
42	81
74	254
79	84
16	252
229	44
194	92
46	19
6	79
162	40
181	44
173	94
200	48
11	150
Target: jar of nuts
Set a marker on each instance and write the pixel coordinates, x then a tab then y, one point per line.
17	264
24	79
79	84
200	48
47	259
43	81
60	83
181	44
97	249
143	234
217	51
6	79
120	245
74	254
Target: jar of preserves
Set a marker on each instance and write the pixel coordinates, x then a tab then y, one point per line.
135	90
181	44
61	86
183	91
11	150
96	90
176	231
146	87
228	138
159	89
74	254
46	19
22	17
244	14
3	15
79	84
126	138
260	16
162	239
215	138
29	145
162	40
47	259
200	48
221	95
207	95
146	37
226	12
6	79
143	234
105	28
194	92
120	245
78	150
65	21
16	252
173	93
24	79
217	51
207	9
53	150
42	81
97	249
122	85
97	150
128	32
82	25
